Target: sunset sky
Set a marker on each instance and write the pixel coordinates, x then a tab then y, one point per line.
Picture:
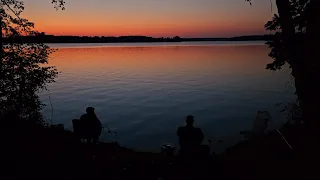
157	18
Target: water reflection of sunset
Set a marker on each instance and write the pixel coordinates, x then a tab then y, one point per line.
167	59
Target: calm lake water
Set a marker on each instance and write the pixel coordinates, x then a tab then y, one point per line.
144	91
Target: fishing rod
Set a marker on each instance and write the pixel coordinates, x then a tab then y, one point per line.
109	130
284	139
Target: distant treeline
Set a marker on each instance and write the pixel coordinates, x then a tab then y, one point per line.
238	38
42	38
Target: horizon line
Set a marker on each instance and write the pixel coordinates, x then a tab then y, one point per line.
158	37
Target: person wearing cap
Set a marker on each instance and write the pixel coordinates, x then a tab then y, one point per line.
189	137
92	125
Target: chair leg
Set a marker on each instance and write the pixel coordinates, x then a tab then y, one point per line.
95	140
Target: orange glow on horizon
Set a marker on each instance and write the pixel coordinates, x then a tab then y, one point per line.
155	31
197	18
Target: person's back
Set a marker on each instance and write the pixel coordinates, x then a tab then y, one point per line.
189	136
92	124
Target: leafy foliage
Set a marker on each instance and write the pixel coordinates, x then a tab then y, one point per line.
59	4
248	1
23	69
298	13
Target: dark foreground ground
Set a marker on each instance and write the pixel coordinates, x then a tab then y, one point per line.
38	151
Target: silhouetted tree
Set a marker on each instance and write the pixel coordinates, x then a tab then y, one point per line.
295	42
286	45
177	38
23	69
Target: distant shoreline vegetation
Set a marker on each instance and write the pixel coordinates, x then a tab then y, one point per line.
42	38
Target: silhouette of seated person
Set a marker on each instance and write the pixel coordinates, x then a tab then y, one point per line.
92	125
190	138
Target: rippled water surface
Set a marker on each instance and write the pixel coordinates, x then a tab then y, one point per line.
144	91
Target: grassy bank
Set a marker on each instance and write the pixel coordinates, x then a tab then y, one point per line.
50	151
